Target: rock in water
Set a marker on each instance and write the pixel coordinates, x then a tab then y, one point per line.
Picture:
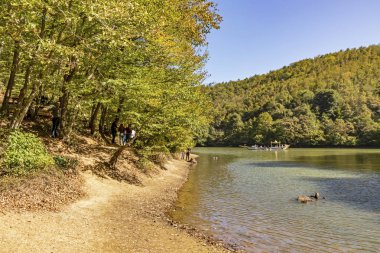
304	199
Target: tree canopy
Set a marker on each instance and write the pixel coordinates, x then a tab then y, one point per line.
138	60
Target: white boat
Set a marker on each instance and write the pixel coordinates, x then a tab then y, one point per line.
274	145
256	147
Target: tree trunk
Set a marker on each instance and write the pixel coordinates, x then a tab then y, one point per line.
23	108
23	104
63	104
102	118
12	77
64	99
70	124
116	155
24	88
37	103
103	115
94	115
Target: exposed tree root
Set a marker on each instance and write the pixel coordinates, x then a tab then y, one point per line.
105	170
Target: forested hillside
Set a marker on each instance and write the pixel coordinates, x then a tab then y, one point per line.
331	100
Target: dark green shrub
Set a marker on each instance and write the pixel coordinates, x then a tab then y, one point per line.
25	153
65	162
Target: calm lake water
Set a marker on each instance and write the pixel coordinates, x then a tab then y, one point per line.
248	198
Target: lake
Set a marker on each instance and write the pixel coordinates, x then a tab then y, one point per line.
248	198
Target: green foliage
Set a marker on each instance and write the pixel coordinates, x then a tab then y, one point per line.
145	164
329	100
151	156
143	61
25	153
65	162
339	132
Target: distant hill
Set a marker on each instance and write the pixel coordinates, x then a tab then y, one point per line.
331	100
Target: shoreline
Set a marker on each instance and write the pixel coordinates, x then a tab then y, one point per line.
192	231
115	217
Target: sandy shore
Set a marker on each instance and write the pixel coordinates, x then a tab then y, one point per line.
115	217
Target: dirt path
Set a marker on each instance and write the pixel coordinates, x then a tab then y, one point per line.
115	217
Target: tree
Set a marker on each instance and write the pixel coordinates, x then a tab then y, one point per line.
327	102
339	132
261	131
143	62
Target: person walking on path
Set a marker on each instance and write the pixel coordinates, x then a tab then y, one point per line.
114	129
55	121
127	134
121	134
133	134
188	152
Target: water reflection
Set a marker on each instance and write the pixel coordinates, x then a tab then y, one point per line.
247	198
361	162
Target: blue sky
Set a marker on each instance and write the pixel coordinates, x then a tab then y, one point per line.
257	36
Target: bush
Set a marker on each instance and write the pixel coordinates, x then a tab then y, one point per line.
159	158
144	164
65	162
25	153
149	156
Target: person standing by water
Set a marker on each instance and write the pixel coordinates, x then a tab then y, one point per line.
55	121
188	152
114	129
121	134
